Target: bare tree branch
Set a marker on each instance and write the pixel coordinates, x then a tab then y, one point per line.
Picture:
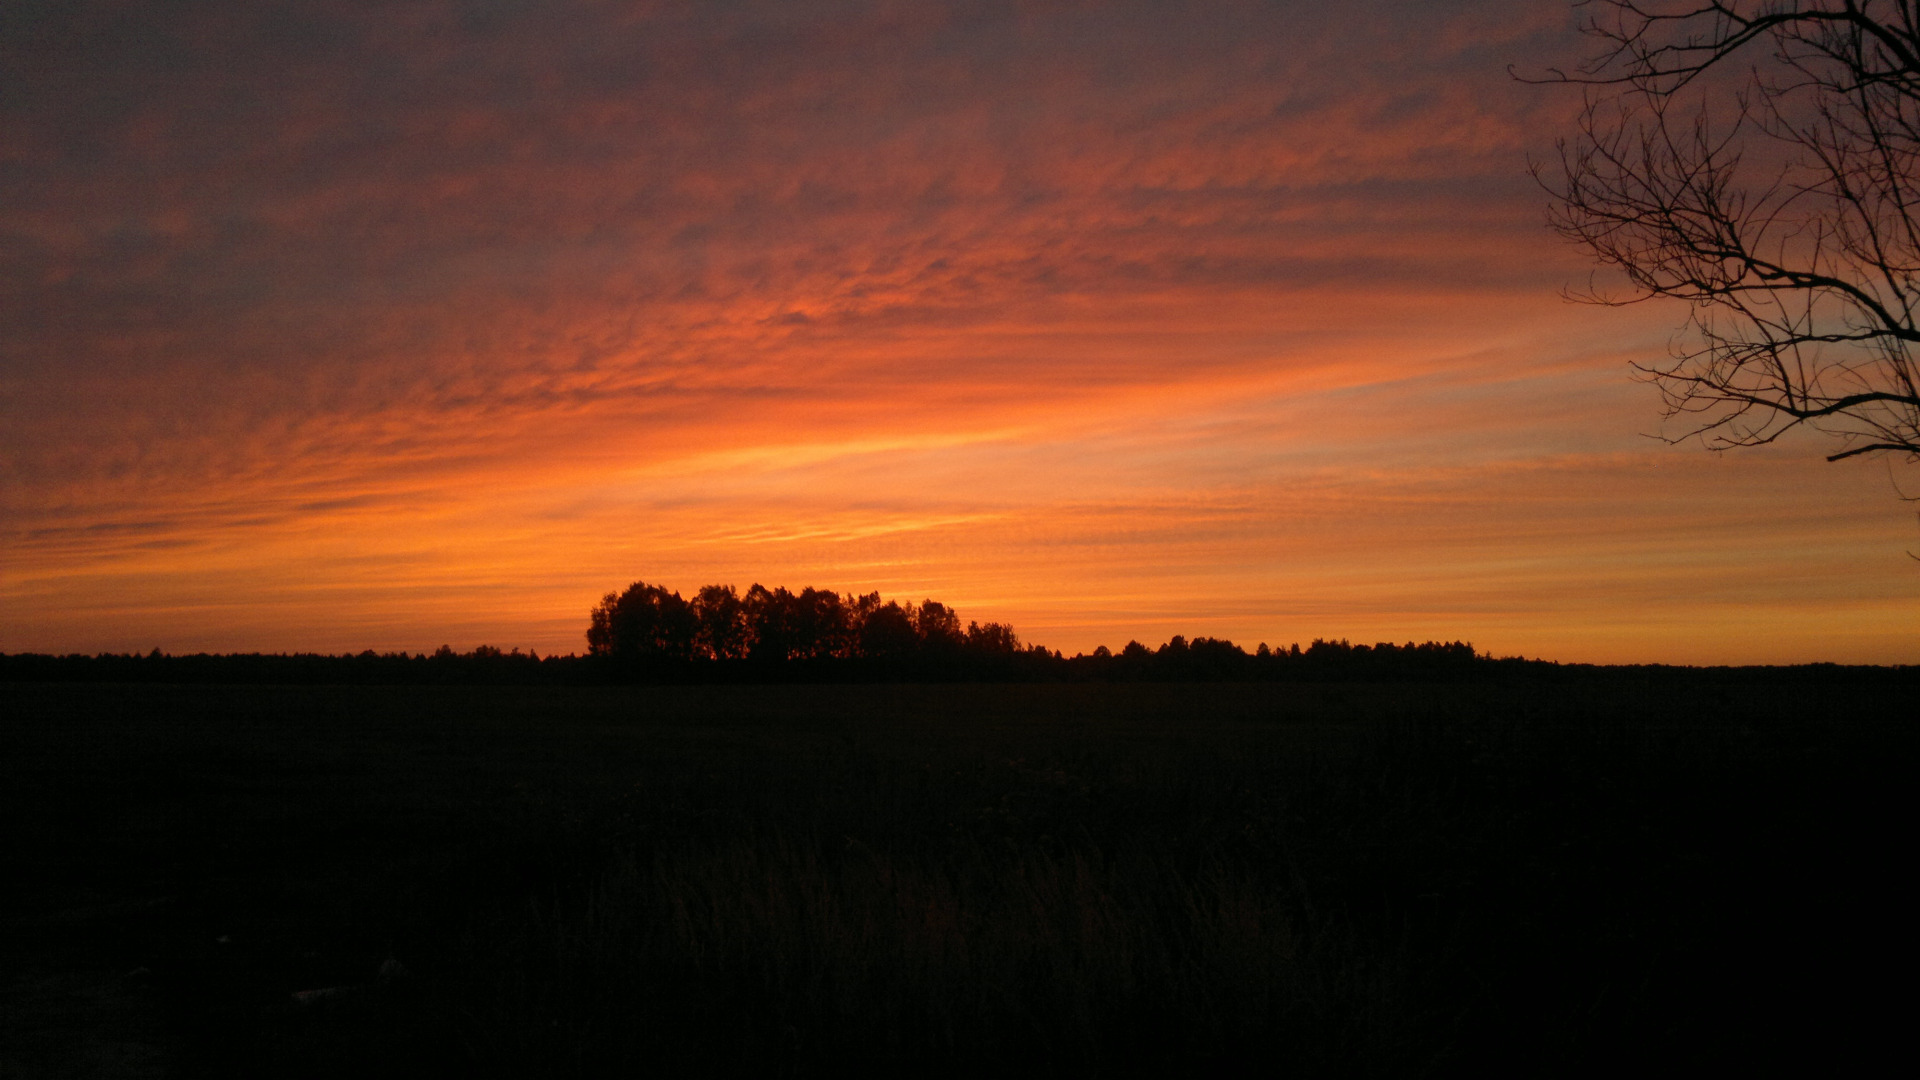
1759	161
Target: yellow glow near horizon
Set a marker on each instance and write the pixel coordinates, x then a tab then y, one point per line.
1200	329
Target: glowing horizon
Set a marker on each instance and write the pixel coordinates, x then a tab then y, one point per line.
428	324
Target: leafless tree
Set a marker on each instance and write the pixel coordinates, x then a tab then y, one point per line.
1759	160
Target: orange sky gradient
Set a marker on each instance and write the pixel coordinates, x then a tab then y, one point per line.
341	326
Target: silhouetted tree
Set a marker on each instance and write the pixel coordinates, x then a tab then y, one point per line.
938	628
994	639
644	621
820	624
888	633
769	615
1759	160
720	624
858	608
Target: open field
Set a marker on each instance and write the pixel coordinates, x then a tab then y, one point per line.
1071	879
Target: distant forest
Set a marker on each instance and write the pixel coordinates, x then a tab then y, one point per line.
647	628
650	634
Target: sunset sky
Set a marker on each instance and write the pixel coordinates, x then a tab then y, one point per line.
331	325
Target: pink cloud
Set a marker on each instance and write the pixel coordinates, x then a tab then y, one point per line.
364	312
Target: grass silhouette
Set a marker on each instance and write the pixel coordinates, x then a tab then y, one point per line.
1063	879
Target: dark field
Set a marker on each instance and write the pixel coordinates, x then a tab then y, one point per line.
1562	878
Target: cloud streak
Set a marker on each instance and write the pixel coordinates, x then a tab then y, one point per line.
346	325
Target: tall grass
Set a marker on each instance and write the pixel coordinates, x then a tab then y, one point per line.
1071	880
807	952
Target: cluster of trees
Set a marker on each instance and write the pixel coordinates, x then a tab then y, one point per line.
647	623
783	637
999	658
649	630
650	634
1215	659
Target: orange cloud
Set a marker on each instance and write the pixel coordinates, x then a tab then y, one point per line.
359	326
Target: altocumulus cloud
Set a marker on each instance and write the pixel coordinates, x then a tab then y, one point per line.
411	295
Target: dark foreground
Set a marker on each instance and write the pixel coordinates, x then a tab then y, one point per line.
1063	879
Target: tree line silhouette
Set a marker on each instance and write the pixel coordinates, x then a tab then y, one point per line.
908	660
647	633
648	623
649	629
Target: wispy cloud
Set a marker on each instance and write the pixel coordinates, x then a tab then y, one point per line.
336	325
